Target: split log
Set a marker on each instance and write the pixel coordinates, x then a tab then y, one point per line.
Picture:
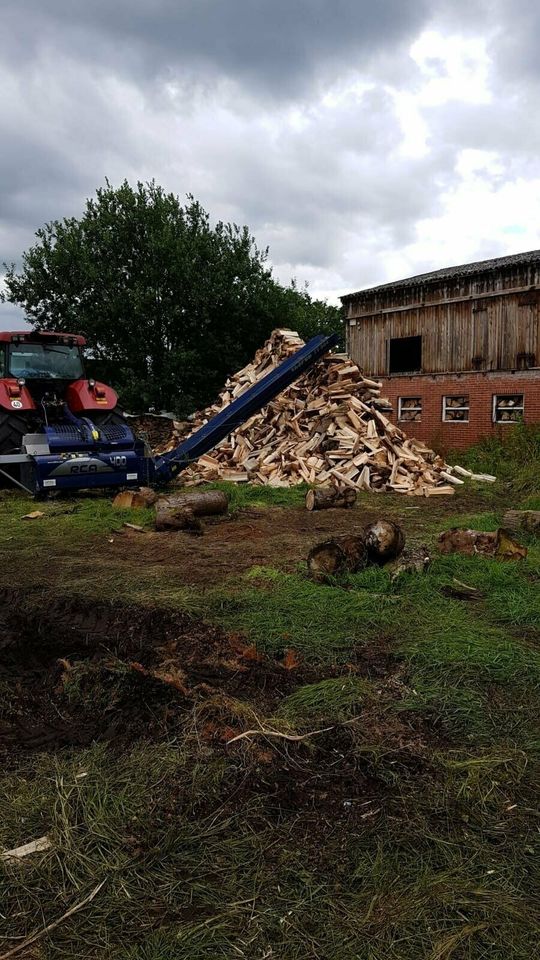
336	556
132	499
507	548
384	541
324	498
450	478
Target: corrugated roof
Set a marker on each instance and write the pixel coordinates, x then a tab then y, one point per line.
452	273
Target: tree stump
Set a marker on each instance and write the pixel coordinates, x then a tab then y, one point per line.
325	498
339	555
499	543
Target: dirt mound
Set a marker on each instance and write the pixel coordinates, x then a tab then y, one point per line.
83	672
87	673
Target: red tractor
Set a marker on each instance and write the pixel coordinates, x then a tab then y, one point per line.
41	379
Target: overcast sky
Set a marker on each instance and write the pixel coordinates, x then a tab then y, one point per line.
361	140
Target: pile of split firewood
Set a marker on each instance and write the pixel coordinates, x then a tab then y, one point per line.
328	428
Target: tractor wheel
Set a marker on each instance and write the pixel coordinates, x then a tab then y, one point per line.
107	418
13	426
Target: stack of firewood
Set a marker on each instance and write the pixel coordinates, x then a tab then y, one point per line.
327	428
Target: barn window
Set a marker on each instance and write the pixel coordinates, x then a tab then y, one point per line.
410	408
456	408
508	408
405	355
525	360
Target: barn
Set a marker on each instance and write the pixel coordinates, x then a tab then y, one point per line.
458	349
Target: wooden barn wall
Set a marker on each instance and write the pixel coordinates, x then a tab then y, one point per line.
496	328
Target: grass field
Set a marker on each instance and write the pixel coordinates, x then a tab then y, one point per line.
386	806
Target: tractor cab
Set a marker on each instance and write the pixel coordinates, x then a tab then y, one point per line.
41	360
42	379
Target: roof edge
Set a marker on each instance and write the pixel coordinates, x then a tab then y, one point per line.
447	273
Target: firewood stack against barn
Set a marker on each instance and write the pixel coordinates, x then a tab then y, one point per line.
328	428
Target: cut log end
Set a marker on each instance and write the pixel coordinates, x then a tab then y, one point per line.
384	541
336	556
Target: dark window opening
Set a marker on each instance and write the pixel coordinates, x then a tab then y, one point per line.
525	361
405	355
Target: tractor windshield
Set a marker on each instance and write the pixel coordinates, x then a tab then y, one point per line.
45	361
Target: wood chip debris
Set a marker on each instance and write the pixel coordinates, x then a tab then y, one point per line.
34	846
330	427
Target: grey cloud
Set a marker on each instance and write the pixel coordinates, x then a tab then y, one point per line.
198	94
279	47
514	45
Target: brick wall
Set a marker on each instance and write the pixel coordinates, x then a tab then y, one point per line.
479	387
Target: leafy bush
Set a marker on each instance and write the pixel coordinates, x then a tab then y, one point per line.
513	457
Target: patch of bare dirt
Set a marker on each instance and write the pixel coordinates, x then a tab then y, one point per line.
265	536
86	672
83	672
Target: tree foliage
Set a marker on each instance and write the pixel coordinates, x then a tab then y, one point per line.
169	304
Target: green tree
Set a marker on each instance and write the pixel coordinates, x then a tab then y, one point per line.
169	304
308	316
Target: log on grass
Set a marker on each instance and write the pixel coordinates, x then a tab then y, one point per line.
528	520
467	542
339	555
384	541
324	498
202	503
182	511
176	518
